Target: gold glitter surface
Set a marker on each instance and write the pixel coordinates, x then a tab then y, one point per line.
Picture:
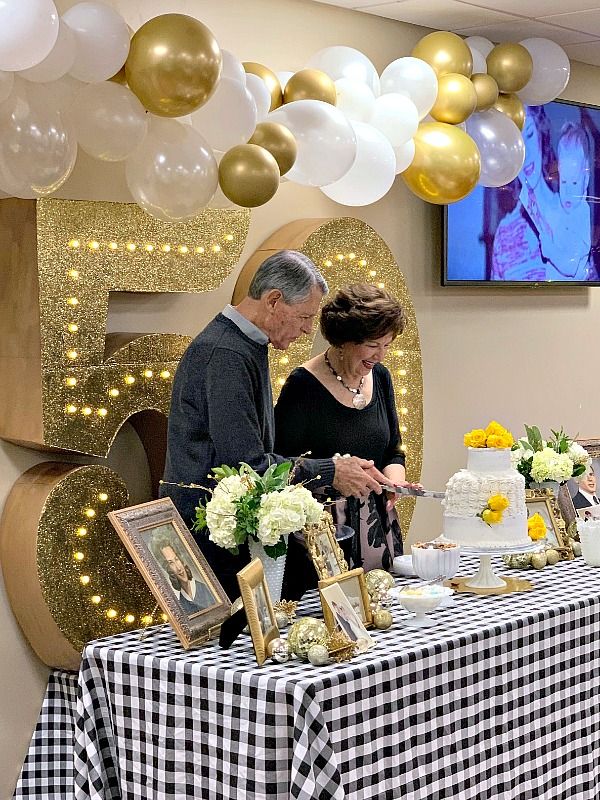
84	570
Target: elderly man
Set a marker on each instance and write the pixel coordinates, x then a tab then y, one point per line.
222	405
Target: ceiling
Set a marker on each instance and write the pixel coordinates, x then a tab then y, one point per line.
574	24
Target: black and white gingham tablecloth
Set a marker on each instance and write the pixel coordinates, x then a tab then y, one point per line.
500	700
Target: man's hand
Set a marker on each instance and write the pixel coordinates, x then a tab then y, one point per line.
356	477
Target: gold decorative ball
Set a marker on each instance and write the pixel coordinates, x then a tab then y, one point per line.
538	560
378	578
305	633
318	655
382	619
279	650
575	547
552	557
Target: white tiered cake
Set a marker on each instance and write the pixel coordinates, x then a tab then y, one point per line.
489	472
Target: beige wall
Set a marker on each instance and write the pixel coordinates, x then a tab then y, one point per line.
516	355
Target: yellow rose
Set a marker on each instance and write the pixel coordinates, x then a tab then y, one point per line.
536	527
495	428
507	439
476	438
491	517
498	502
495	440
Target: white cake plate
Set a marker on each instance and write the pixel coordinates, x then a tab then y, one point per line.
485	577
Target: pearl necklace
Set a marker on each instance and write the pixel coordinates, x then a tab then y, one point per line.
359	400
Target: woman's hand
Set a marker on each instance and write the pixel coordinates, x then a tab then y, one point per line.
392	497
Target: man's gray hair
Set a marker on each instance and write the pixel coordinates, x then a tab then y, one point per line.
293	273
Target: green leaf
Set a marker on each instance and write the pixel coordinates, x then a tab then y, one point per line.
200	521
578	470
534	437
276	550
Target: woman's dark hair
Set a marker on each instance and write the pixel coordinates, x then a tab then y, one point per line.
360	313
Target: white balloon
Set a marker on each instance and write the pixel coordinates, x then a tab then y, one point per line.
404	155
7	80
551	71
28	32
229	116
232	67
109	120
284	77
325	139
62	92
372	174
479	62
101	41
480	43
58	62
355	99
262	96
173	174
500	145
415	79
396	117
346	62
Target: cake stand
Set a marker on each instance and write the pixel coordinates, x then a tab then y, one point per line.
485	577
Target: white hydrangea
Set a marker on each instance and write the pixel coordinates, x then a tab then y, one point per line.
548	465
231	488
312	508
518	455
221	521
283	512
579	455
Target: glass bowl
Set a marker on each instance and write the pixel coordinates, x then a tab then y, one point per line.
430	563
420	601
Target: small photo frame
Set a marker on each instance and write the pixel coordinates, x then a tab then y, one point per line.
584	491
340	614
258	608
544	503
354	587
177	574
323	548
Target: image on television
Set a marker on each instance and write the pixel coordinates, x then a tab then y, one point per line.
544	226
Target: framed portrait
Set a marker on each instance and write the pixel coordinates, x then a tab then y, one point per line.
354	587
581	496
258	608
340	613
544	503
177	574
323	548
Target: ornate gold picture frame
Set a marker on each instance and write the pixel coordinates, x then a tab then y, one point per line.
572	502
258	608
327	556
177	574
543	502
354	586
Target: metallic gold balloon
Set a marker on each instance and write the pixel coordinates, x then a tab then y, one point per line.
310	84
446	165
512	106
445	52
510	65
174	64
486	90
120	77
248	175
456	99
279	141
269	78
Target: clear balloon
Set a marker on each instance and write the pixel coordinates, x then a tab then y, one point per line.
551	71
415	79
173	174
7	80
229	117
355	99
28	32
404	155
62	92
325	138
232	67
101	41
346	62
479	43
109	120
500	146
371	175
261	94
58	62
396	117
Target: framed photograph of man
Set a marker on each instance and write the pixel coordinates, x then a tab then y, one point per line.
327	555
175	570
258	608
354	587
544	503
340	613
584	491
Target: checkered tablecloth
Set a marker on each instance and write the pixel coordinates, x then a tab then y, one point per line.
500	700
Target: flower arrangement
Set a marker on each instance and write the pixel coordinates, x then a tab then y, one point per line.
245	505
496	506
556	459
536	527
495	435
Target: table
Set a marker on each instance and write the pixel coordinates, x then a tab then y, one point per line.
500	700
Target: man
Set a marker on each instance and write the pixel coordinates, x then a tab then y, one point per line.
222	405
193	594
586	494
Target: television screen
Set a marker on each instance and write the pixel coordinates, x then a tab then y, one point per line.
543	227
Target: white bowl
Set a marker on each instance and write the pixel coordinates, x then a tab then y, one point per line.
429	563
421	604
403	566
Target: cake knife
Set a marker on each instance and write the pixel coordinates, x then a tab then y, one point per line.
413	492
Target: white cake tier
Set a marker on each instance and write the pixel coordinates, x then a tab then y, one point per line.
474	532
488	459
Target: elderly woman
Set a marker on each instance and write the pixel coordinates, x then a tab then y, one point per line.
342	401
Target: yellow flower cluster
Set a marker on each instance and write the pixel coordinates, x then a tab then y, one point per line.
493	436
536	527
496	506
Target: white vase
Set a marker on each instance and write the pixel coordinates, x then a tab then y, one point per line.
272	567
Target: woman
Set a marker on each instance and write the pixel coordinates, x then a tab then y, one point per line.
342	401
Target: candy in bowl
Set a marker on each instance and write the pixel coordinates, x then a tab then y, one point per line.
420	600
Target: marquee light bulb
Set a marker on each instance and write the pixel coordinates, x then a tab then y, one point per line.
165	374
284	360
72	354
281	381
147	373
183	249
340	257
86	411
381	285
89	512
72	327
102	412
73	273
404	410
71	409
113	245
74	243
78	555
111	613
351	256
199	249
403	391
401	372
103	497
328	263
73	301
147	619
403	428
149	248
129	618
113	392
166	248
372	273
81	532
131	246
95	599
84	579
94	245
229	237
216	248
362	262
129	380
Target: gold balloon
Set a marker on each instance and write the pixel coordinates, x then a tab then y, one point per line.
174	64
310	84
446	165
486	90
248	175
512	106
269	78
456	99
279	141
510	65
445	52
120	77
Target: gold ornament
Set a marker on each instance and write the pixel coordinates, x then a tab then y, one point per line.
310	84
382	619
269	77
575	547
446	166
174	64
305	633
486	90
318	655
279	141
445	52
456	99
378	577
340	647
538	560
552	557
248	175
510	65
286	608
512	106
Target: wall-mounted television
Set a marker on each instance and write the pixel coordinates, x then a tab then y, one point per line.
543	227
